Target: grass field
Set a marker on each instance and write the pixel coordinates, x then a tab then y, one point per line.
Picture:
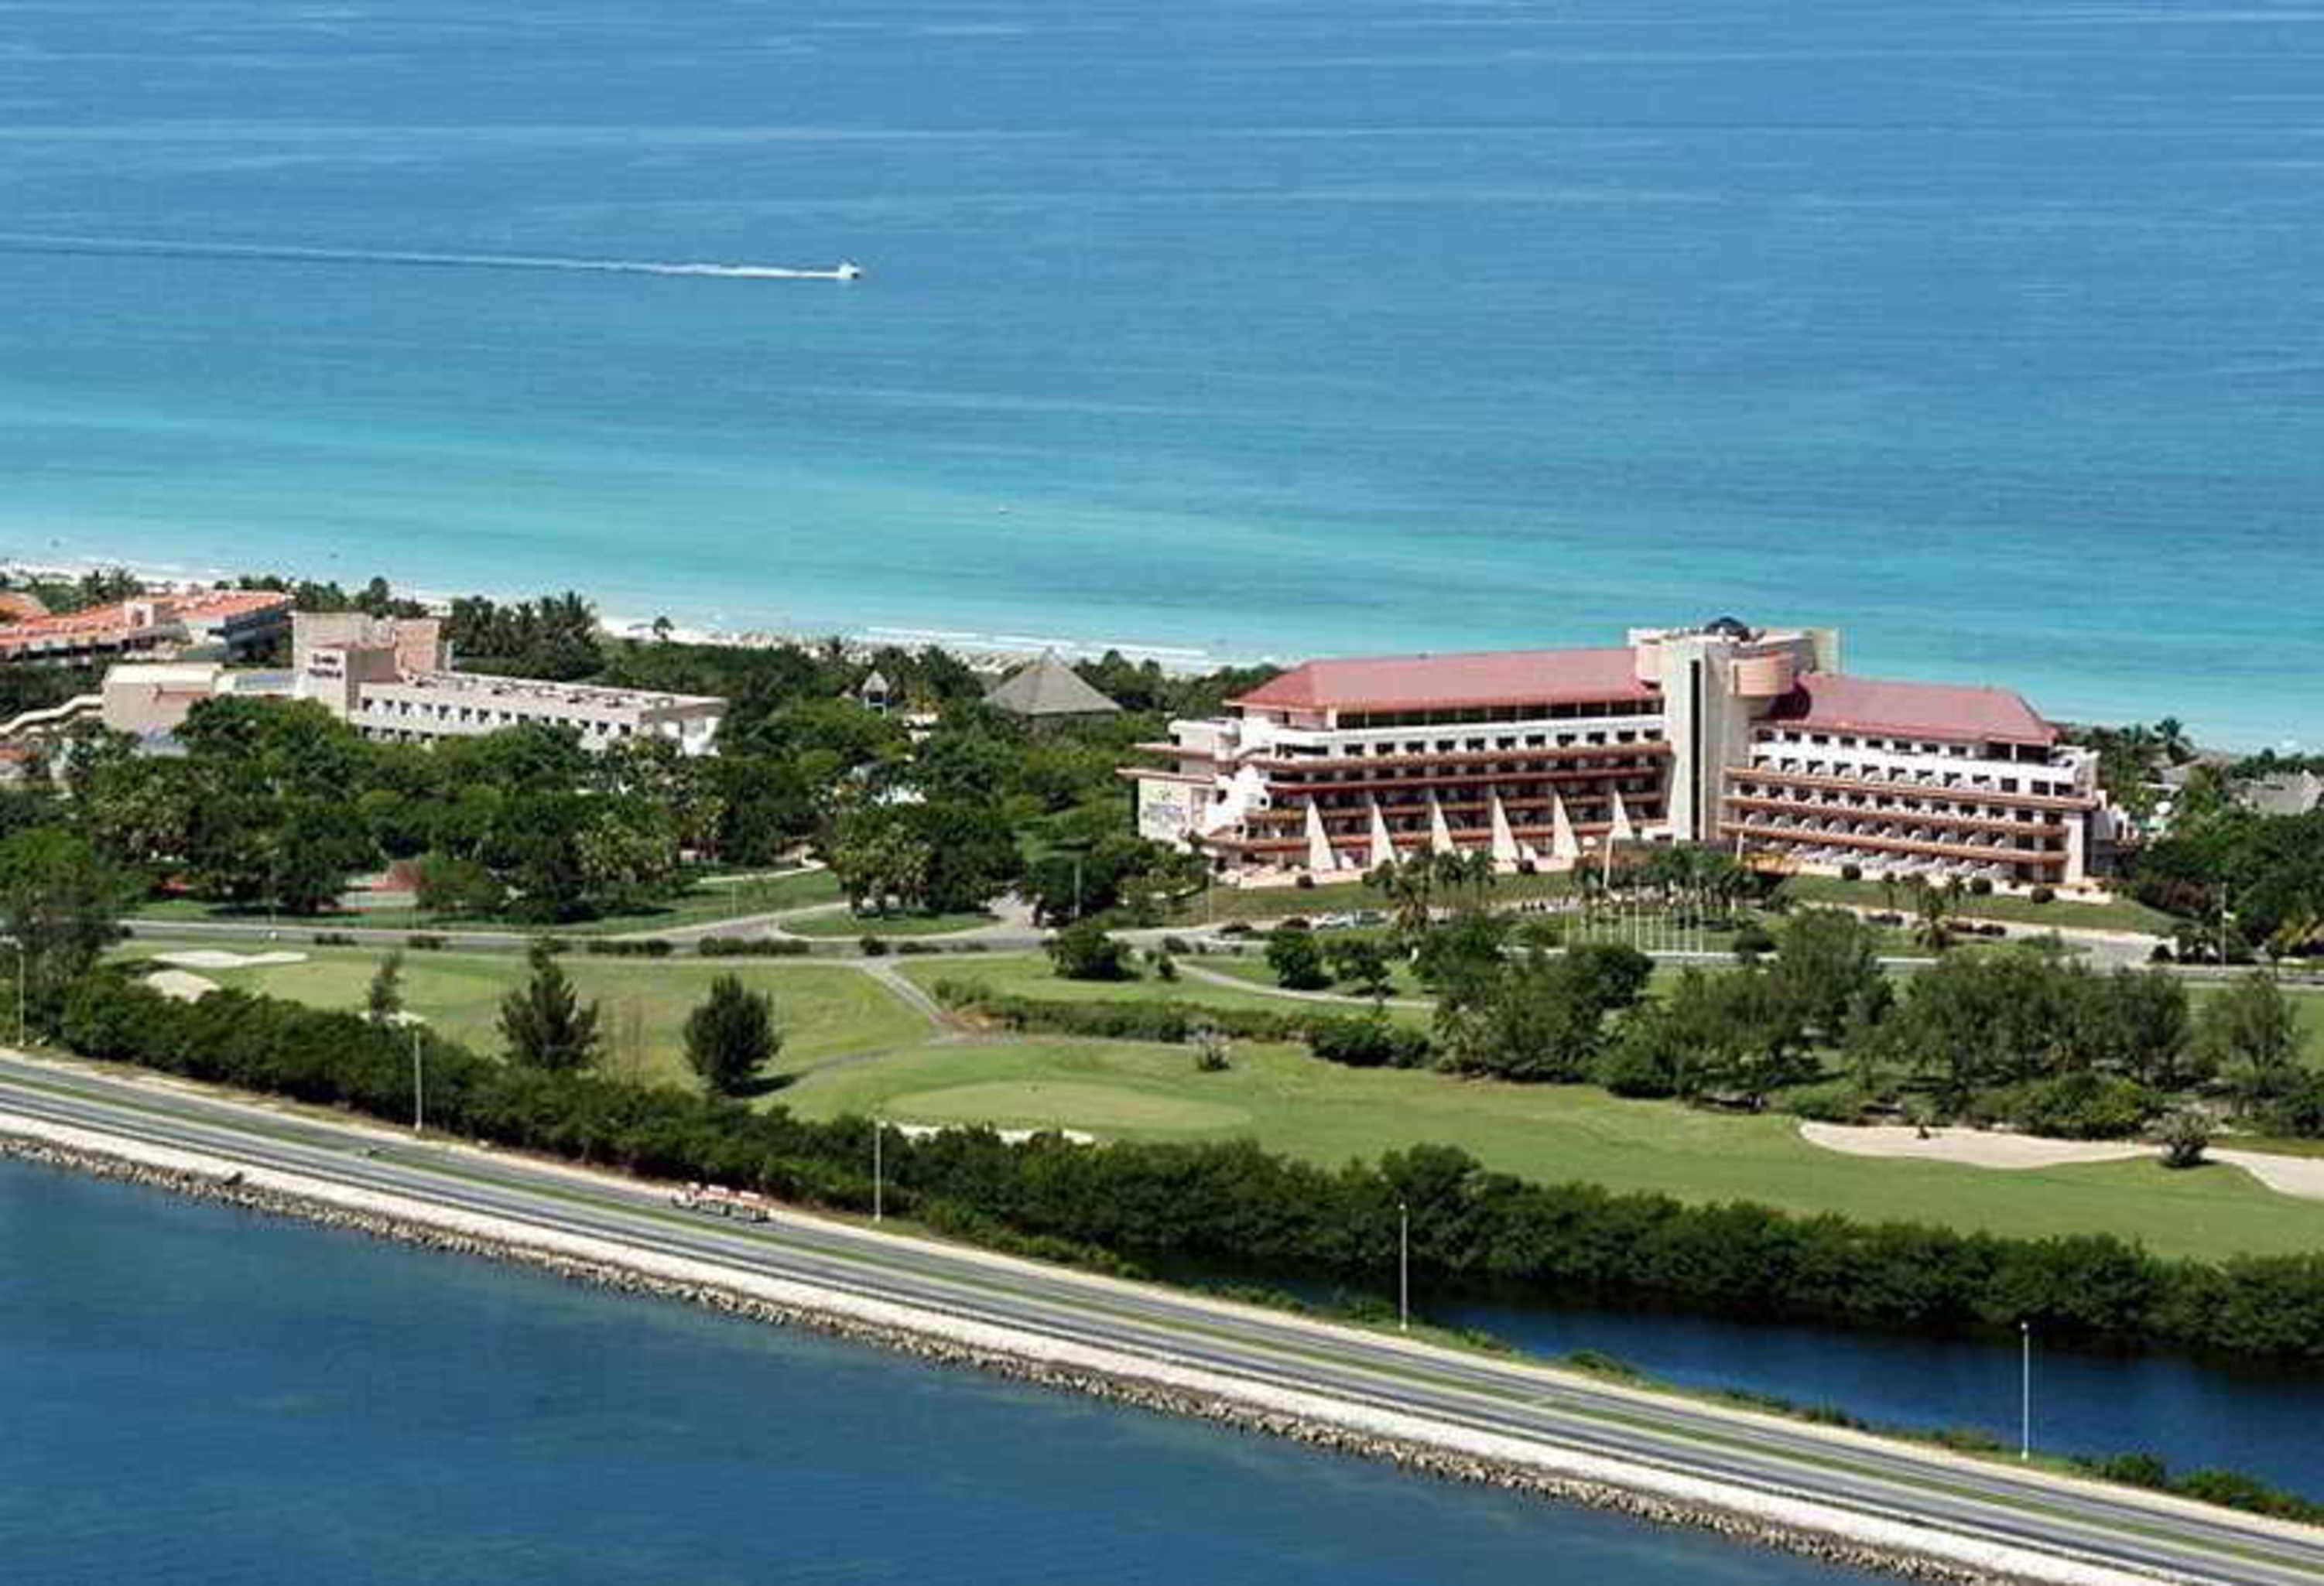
2121	914
1291	1102
841	923
1338	897
825	1011
1024	974
713	898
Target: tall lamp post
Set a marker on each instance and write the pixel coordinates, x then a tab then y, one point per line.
879	1194
2024	1390
419	1089
1402	1268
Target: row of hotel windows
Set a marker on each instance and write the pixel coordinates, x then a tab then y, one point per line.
1478	746
1467	714
1794	829
1431	773
1897	776
482	716
1887	804
2021	753
1644	787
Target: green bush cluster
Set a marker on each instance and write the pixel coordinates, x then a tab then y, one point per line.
752	947
617	947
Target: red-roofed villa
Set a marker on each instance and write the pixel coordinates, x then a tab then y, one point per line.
1720	734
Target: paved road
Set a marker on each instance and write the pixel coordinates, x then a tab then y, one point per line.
1502	1397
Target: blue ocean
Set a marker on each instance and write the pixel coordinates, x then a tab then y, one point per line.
1985	332
195	1394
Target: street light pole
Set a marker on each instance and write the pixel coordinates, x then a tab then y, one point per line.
419	1089
1402	1268
2025	1390
879	1196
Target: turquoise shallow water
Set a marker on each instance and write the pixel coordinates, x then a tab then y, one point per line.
1984	333
196	1394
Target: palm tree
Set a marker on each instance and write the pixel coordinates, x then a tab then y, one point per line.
1933	909
2170	737
1409	885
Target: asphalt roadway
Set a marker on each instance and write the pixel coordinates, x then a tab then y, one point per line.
2121	1528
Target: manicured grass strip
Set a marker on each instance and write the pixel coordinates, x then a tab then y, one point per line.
2118	914
825	1009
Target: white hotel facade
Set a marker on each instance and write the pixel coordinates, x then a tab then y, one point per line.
1721	734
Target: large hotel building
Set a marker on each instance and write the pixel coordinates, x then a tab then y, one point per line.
1724	734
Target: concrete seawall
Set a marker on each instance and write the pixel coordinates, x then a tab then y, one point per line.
1793	1522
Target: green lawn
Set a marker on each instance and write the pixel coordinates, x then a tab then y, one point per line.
713	898
1025	974
2121	914
1289	1102
843	923
825	1011
1338	897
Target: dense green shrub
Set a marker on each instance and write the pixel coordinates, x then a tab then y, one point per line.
754	947
2075	1106
1368	1043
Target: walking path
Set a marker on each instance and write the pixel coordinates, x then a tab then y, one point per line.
1209	976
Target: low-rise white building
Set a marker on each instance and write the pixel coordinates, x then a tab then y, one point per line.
392	679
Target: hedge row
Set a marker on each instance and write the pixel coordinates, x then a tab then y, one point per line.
1234	1205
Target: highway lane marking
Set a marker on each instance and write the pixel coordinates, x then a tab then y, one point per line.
1410	1374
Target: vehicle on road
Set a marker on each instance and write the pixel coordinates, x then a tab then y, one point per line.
715	1201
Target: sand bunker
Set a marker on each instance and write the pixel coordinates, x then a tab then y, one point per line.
180	985
1973	1147
213	958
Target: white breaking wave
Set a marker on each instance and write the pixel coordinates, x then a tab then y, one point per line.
156	248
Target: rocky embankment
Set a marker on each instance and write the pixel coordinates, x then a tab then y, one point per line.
1796	1524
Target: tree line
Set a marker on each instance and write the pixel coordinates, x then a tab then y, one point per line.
2020	1034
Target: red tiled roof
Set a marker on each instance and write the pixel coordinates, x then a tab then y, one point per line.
111	624
1437	683
1913	709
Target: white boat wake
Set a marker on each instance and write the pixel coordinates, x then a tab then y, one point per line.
155	248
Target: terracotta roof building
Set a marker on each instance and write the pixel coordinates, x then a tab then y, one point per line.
1718	734
228	623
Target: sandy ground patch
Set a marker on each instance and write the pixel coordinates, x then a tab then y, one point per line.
1973	1147
180	984
2300	1176
213	959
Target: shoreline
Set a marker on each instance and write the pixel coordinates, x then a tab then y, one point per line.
982	651
1783	1522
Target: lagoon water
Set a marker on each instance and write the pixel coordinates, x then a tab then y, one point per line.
1985	332
195	1394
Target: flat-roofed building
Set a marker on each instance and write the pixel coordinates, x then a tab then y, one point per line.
393	679
1718	734
151	699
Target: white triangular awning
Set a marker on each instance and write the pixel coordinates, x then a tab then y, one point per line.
1623	831
1563	844
1505	841
1440	836
1383	849
1319	845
